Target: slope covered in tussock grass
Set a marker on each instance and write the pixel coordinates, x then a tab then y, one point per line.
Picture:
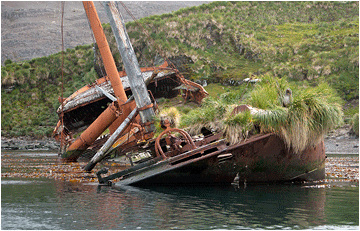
224	41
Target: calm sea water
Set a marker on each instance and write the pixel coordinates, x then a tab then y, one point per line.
51	204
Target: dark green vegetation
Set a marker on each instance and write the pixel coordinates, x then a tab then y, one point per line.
30	90
307	43
355	124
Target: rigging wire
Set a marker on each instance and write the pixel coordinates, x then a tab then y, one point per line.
147	62
152	41
62	74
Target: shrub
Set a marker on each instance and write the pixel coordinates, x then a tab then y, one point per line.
26	66
7	62
355	124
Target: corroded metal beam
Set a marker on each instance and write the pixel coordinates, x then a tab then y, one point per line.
131	65
102	152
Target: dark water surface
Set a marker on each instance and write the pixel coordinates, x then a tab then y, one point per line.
51	204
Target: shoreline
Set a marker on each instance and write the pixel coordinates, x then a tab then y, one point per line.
339	141
342	146
333	146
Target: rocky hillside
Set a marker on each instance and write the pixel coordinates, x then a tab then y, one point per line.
31	29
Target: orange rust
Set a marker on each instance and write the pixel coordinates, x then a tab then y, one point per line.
196	96
167	131
95	129
146	107
105	51
124	111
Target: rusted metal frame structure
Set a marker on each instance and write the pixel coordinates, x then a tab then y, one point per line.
118	108
88	97
63	133
112	112
137	84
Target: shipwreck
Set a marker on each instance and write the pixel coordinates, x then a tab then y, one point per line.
125	103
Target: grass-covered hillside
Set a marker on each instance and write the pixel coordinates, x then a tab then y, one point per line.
222	42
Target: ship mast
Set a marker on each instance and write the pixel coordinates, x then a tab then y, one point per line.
136	81
131	65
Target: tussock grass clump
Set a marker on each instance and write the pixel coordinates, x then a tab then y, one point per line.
303	122
238	127
312	114
209	115
268	93
216	115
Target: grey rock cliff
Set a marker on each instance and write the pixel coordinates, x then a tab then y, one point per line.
32	29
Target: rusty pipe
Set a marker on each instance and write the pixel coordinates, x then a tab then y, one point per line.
105	51
102	152
79	146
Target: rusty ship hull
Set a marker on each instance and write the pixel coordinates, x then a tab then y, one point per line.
261	159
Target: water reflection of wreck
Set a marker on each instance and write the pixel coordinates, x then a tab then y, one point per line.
124	103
